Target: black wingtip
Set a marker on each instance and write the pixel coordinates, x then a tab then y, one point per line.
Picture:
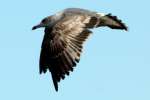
42	69
55	82
122	25
56	88
55	85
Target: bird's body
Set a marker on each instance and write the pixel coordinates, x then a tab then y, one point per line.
65	33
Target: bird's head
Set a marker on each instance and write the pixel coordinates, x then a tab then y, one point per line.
46	22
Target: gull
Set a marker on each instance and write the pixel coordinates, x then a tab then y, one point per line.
65	33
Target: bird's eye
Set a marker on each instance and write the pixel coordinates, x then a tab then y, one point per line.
44	20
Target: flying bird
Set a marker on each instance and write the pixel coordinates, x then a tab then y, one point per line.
65	33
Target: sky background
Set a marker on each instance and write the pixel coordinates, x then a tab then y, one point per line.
115	65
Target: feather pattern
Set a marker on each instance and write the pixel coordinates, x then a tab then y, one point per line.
61	52
65	33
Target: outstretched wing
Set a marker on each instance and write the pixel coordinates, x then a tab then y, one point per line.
62	46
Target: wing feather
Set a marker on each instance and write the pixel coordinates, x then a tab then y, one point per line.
62	47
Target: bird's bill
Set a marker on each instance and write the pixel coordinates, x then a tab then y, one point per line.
37	26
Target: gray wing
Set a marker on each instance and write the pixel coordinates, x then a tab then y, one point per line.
62	46
97	19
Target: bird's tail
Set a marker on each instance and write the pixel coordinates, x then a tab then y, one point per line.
112	22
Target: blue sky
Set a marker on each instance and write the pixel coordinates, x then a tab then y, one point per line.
115	65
